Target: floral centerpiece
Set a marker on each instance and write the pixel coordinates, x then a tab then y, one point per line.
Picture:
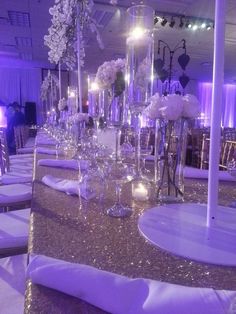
78	117
63	33
171	114
49	84
78	123
62	104
110	77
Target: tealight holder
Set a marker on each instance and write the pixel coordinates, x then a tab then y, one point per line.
141	190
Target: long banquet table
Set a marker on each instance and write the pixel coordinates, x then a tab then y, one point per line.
62	226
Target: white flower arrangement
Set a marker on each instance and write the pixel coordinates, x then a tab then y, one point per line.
172	107
191	106
142	76
107	73
153	110
62	104
78	117
62	34
50	83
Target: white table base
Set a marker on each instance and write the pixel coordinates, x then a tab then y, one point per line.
181	229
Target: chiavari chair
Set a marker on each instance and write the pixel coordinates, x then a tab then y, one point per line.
14	167
228	152
205	152
14	224
21	134
196	141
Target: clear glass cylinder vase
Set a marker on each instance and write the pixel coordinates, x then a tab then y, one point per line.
93	99
170	155
115	110
139	56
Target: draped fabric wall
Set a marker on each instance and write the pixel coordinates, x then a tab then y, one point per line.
21	85
228	106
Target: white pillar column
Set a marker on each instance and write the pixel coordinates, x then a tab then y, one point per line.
59	70
218	82
78	61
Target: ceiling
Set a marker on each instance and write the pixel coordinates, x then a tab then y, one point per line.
24	23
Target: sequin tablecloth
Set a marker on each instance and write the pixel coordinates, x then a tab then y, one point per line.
64	228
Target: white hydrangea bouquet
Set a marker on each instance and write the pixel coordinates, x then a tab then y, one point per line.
78	117
171	114
50	85
110	75
62	104
173	107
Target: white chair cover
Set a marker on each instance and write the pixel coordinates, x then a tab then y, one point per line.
12	157
12	284
15	193
14	229
16	177
25	150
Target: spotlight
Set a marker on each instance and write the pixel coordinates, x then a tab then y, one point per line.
181	24
172	22
188	24
164	21
208	27
195	27
203	25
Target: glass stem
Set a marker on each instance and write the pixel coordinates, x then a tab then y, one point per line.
138	144
117	145
118	193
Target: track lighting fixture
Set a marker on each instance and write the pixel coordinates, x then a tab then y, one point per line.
164	21
189	22
172	22
156	20
181	24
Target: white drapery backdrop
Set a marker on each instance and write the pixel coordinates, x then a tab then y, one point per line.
21	85
228	117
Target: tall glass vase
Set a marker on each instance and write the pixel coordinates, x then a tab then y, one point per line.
170	154
93	100
139	65
115	110
139	56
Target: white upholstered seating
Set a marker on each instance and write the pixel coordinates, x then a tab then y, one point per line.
12	284
14	170
14	229
15	193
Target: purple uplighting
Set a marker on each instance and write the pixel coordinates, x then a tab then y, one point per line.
228	107
3	122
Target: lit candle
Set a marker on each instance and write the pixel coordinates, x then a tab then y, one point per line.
140	192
